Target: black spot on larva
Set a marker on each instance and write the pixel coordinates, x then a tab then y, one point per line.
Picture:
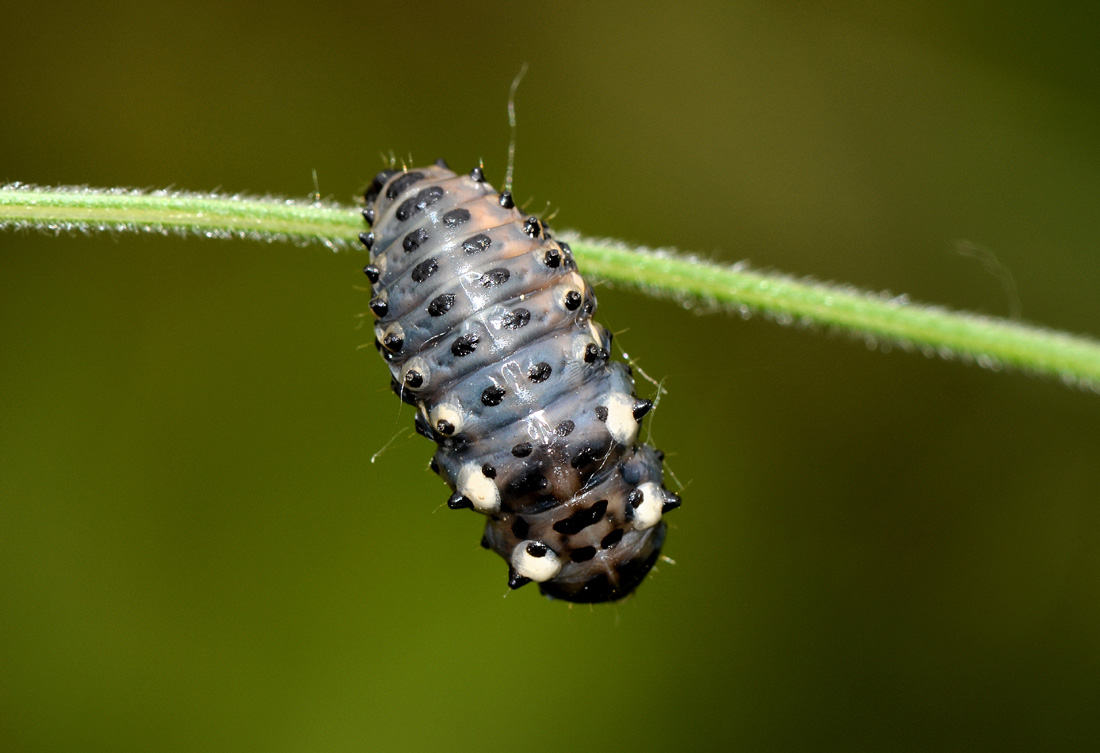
592	353
413	240
565	428
441	304
393	342
368	215
572	300
456	217
488	471
611	539
531	227
589	307
520	528
601	412
465	345
376	185
661	455
475	244
414	379
565	247
522	450
399	186
515	580
540	372
552	258
672	501
583	554
445	427
537	549
379	306
477	175
581	519
635	498
506	200
641	407
416	204
484	542
515	319
494	277
372	272
367	239
458	502
531	482
585	457
434	465
492	396
424	270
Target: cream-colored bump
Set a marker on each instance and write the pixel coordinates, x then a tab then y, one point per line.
620	418
381	332
648	514
538	569
421	366
474	486
447	412
573	283
580	345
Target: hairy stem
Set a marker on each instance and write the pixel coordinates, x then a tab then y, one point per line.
988	341
212	215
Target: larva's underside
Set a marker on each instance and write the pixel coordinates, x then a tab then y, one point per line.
487	328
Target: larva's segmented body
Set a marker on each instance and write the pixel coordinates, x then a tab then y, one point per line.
487	329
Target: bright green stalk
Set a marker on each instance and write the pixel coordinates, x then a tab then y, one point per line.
212	215
988	341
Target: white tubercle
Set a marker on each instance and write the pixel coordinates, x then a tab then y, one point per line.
540	566
479	489
420	366
620	418
450	414
394	328
648	514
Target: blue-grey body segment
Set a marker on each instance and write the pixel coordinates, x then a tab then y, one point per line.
487	328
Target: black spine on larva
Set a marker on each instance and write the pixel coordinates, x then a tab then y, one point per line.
486	326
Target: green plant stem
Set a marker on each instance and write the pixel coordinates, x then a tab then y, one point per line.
879	318
212	215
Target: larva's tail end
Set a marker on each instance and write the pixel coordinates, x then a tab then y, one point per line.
604	587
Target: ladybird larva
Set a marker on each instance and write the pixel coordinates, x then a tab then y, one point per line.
486	325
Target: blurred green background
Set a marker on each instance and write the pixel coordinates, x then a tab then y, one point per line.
875	551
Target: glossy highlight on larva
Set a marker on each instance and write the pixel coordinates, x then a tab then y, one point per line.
486	325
